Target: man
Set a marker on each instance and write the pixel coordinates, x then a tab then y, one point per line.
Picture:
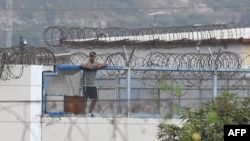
89	76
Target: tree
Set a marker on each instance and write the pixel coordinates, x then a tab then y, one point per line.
206	123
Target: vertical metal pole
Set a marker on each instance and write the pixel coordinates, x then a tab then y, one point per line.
215	77
227	85
119	96
128	89
215	83
44	84
200	93
116	94
158	98
21	49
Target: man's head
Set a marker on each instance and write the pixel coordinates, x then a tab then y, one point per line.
92	55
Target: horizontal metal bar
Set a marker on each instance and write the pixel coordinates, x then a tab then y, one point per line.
156	68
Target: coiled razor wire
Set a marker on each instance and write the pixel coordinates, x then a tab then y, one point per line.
12	58
44	56
144	38
159	37
219	60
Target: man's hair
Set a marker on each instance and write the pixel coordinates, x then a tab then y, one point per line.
92	53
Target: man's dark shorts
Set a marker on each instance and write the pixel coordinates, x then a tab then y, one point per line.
90	92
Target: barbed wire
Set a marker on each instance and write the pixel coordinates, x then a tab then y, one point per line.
14	59
144	38
159	37
44	56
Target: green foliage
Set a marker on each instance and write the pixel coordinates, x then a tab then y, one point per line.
167	87
164	86
206	123
177	90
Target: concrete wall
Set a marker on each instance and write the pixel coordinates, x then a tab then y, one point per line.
20	108
104	129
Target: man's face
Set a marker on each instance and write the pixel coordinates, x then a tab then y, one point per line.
92	57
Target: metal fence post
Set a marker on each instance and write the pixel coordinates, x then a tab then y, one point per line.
117	95
128	89
215	83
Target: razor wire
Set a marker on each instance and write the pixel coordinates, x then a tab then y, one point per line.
143	38
44	56
12	60
159	37
225	60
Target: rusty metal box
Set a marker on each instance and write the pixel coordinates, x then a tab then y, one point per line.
74	104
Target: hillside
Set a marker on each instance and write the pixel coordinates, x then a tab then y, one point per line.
30	17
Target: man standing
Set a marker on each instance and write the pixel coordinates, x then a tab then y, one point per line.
89	76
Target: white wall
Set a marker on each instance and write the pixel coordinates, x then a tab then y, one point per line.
17	111
104	129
